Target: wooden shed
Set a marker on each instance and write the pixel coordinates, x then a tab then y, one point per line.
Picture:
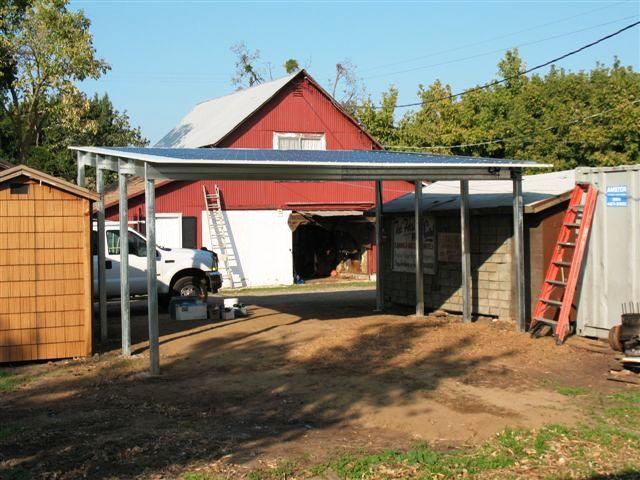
45	267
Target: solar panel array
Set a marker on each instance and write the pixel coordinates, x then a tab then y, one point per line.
373	157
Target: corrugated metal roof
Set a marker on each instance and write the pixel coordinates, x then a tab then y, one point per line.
210	121
445	195
335	158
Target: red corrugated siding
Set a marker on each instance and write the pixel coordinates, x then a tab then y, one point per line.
301	108
186	197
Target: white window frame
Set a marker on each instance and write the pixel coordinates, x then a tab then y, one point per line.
315	136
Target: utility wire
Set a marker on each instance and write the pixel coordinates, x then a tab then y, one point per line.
522	136
499	37
519	74
484	54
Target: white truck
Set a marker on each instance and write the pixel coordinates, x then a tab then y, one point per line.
181	271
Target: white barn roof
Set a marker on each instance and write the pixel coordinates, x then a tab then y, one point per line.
210	121
539	191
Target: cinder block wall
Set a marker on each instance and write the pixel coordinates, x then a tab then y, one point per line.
491	269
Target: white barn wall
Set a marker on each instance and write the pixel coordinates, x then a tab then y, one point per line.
263	244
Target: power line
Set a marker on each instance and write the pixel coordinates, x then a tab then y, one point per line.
522	136
524	72
499	37
462	59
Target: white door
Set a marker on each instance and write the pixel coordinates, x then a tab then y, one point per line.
169	230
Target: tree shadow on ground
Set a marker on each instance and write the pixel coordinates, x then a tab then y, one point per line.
230	395
634	475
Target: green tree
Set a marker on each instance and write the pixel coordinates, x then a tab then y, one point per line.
46	49
76	120
569	119
291	66
379	122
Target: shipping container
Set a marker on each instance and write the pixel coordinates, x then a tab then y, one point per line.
611	270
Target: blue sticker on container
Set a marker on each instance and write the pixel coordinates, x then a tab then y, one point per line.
616	196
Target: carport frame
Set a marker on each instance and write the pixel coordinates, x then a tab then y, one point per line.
175	164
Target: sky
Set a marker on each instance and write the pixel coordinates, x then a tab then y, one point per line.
167	56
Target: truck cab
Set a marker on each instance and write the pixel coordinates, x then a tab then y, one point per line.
181	271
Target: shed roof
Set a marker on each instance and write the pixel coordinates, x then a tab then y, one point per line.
539	191
25	171
211	121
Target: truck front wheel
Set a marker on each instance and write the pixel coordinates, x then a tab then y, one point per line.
190	286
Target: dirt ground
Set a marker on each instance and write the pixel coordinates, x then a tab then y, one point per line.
303	377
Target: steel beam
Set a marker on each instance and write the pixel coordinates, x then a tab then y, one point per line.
379	252
419	243
107	163
152	279
465	244
102	274
213	171
124	265
518	249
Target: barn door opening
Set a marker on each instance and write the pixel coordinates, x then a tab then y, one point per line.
335	246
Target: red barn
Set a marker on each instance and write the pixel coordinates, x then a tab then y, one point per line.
275	229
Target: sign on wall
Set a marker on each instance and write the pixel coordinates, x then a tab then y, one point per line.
449	247
404	256
616	196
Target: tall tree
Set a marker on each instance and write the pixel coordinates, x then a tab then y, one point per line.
565	118
47	49
346	86
380	122
291	65
76	120
247	73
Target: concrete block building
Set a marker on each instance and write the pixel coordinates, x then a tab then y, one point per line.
546	197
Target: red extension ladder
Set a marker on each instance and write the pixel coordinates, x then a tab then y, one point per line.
558	290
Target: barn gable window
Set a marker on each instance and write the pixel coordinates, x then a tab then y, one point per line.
299	141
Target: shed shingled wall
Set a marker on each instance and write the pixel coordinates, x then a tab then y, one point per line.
45	273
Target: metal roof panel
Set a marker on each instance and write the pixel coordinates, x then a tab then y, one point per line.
445	195
247	156
208	122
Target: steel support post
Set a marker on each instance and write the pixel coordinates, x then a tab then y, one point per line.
124	265
518	248
379	252
102	274
419	234
80	180
465	240
152	279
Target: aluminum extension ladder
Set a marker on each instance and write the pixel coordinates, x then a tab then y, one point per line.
558	290
218	233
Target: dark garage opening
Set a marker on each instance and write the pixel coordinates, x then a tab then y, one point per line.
331	247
